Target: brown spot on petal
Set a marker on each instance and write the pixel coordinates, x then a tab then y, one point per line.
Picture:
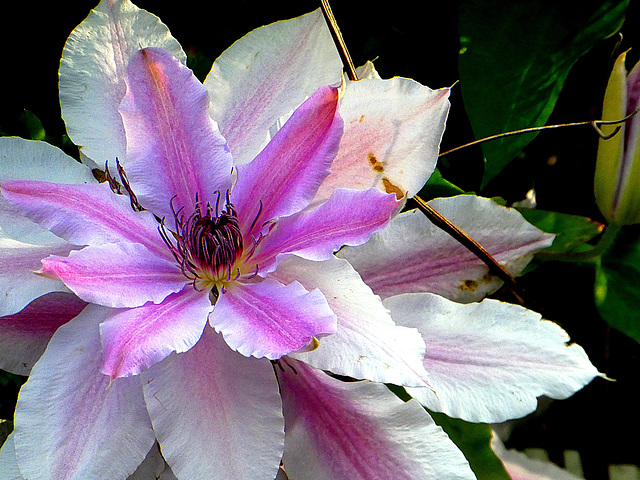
391	188
469	285
372	159
362	119
375	164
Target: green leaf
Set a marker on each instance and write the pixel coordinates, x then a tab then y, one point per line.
571	231
474	439
617	286
514	59
438	186
32	125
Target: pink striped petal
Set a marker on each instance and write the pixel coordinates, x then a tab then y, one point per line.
173	147
18	282
216	414
68	411
285	176
85	214
269	319
349	217
266	74
368	344
488	362
93	70
392	132
136	338
413	255
360	431
25	335
117	274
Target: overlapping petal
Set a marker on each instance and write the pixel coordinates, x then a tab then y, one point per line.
489	361
63	434
368	344
25	335
9	462
269	319
392	132
286	174
93	72
216	413
267	73
173	148
359	431
134	339
117	274
413	255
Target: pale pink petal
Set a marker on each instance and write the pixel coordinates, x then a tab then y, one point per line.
25	335
8	462
392	132
269	319
368	344
173	147
68	411
285	176
134	339
85	214
93	70
413	255
360	431
18	282
216	414
489	361
22	159
349	217
117	274
266	74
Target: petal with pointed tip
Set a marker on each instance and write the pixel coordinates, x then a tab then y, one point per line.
117	274
413	255
173	147
392	132
216	413
359	431
267	73
368	344
67	411
134	339
269	319
489	361
25	335
93	70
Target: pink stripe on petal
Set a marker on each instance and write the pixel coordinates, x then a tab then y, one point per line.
117	275
269	319
25	335
349	217
136	338
173	147
360	431
85	214
287	173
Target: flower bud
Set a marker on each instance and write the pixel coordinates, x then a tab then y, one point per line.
617	177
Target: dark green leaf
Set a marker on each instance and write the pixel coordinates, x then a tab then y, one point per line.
438	186
617	279
514	59
474	439
571	231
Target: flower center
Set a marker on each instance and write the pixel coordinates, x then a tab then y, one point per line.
208	244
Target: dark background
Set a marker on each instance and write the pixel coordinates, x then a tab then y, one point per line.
602	421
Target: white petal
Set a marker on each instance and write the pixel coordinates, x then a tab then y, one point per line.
151	467
8	462
413	255
367	344
68	413
217	414
392	132
488	361
92	72
267	73
360	431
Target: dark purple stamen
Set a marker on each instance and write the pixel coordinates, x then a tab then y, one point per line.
117	188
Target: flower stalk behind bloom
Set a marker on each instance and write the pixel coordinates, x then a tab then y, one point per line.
617	177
